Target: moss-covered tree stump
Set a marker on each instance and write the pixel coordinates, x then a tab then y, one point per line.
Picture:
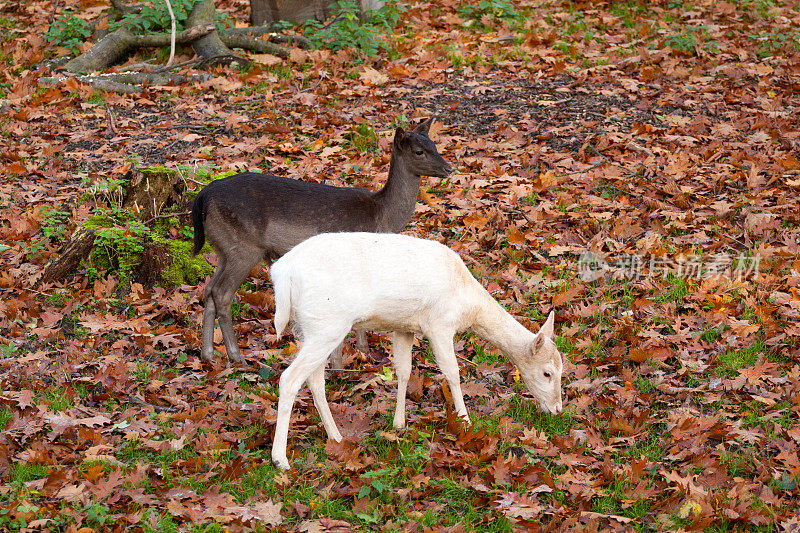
131	244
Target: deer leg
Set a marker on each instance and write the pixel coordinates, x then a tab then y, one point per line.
310	358
210	313
223	292
316	382
361	341
401	353
442	344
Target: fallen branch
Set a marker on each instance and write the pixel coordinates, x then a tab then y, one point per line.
129	82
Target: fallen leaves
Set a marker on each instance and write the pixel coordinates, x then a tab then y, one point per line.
671	166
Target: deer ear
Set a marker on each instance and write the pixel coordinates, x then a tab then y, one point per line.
547	328
400	139
424	127
538	343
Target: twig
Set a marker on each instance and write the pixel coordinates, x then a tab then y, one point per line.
111	122
170	215
137	66
467	360
156	408
172	35
180	174
311	88
179	65
55	10
40	293
584	170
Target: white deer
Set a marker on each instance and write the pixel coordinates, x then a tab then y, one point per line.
333	282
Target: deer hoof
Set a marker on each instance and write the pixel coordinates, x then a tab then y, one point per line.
281	462
236	358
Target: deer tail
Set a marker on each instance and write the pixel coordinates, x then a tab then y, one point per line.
198	214
282	283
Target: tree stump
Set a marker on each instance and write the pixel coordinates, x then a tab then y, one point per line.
150	190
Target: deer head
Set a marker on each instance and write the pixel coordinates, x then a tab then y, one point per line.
418	153
541	367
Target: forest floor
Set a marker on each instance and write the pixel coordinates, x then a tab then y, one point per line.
631	165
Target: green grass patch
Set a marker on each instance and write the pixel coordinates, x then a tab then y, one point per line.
363	138
457	509
730	362
615	501
676	290
528	413
58	398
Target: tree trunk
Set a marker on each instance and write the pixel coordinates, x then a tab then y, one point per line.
295	11
298	11
210	46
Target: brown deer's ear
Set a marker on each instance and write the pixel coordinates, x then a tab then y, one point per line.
424	127
400	139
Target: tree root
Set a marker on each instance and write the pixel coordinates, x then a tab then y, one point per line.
274	37
211	46
255	44
116	45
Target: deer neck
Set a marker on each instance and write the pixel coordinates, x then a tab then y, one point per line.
502	330
397	198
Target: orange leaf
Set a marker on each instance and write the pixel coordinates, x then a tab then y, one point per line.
515	237
638	355
567	295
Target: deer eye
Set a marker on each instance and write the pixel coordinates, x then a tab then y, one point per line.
418	152
547	375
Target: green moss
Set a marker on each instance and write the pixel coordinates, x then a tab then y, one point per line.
158	169
207	175
98	221
185	268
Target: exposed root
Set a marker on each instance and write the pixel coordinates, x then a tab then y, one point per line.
212	47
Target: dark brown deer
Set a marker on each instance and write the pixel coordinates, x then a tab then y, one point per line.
249	217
